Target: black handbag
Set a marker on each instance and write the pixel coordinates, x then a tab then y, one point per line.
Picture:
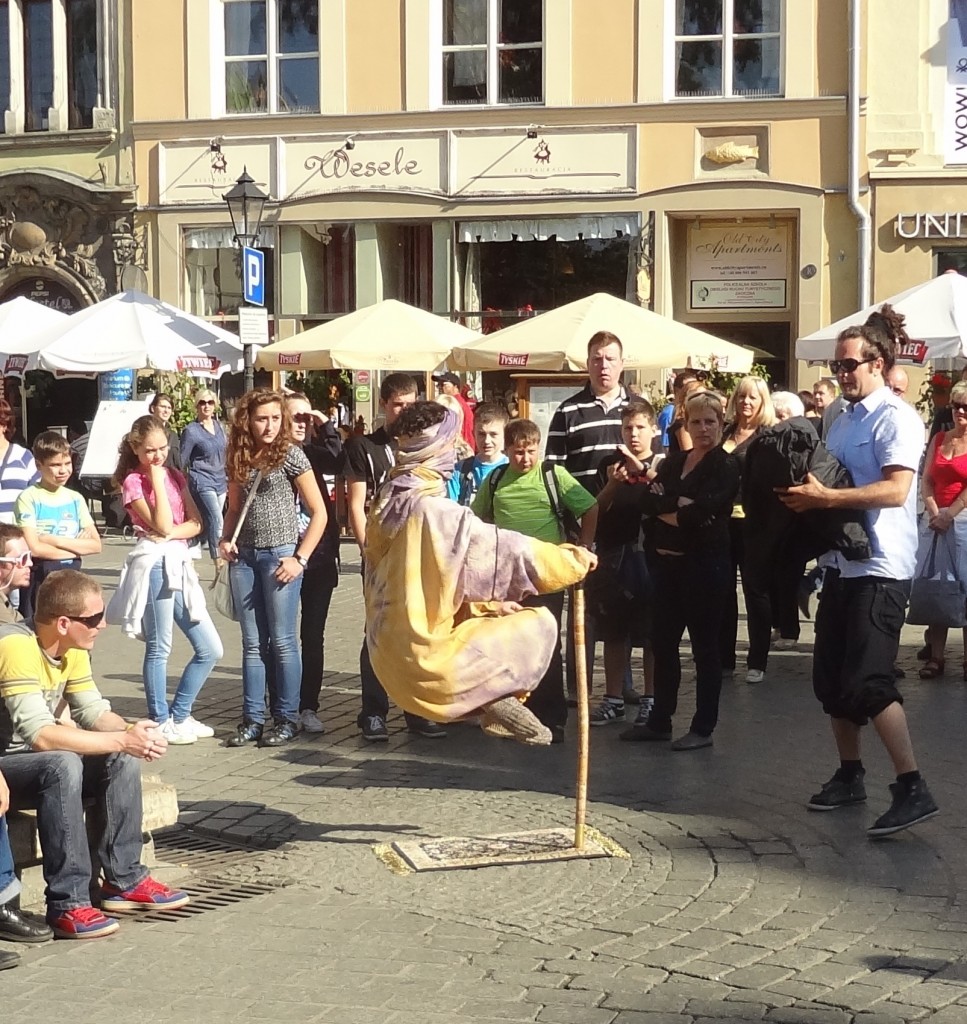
937	597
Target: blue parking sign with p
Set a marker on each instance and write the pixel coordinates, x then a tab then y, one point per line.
253	276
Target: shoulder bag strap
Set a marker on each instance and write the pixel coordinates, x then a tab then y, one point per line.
248	504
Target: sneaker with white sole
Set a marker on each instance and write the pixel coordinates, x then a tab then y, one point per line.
176	734
310	721
644	709
608	711
755	675
199	729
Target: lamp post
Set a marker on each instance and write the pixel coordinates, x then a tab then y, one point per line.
246	201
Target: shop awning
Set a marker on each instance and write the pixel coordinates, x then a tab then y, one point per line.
221	238
565	229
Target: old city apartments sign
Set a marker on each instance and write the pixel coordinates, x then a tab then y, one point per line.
454	163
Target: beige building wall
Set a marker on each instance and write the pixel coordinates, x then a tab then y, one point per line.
374	56
603	52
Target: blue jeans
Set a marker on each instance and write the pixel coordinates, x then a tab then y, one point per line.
9	883
56	782
166	607
210	505
267	612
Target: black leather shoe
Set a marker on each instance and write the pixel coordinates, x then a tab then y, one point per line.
247	732
16	926
8	960
280	734
424	727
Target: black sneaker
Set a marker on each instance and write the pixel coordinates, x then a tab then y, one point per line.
424	727
281	733
607	711
374	729
644	734
839	792
247	732
911	805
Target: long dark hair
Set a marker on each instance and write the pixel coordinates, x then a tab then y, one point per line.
127	456
881	333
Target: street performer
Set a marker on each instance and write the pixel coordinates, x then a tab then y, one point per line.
446	634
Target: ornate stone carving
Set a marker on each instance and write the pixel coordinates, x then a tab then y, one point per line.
732	153
128	248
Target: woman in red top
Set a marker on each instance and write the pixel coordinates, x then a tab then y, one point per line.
945	499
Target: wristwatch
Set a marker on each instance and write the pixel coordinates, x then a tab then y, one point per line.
302	561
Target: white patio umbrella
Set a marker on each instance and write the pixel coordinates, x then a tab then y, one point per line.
558	340
132	330
389	335
935	312
21	322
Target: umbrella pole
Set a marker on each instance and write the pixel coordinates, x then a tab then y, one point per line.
23	408
581	677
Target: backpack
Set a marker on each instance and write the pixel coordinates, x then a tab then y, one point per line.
464	471
568	522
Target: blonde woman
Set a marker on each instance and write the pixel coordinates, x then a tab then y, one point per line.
750	409
203	445
679	440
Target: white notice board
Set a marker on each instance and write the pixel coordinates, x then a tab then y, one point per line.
542	403
112	421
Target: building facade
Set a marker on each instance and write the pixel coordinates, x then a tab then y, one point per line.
488	159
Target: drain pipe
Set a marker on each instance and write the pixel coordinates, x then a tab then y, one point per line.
863	220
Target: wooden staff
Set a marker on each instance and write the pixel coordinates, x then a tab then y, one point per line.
581	676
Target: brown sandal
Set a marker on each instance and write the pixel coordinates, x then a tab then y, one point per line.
933	669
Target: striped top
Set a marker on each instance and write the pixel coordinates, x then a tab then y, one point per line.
583	432
17	473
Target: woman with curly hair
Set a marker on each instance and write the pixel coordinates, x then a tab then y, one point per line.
268	560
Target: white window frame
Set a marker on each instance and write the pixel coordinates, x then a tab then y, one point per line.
272	58
728	37
494	49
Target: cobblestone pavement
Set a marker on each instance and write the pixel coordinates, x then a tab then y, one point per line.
736	903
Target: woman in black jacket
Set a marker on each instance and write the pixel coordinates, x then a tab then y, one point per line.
691	502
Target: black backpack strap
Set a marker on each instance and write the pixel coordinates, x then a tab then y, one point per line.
491	484
566	519
464	471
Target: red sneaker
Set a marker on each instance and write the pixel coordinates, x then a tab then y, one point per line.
146	895
81	923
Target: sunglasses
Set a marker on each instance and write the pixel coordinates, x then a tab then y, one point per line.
959	407
207	401
20	560
91	621
849	365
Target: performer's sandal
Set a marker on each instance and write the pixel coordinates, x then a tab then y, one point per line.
932	669
509	719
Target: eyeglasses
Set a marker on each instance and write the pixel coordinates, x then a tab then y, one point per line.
849	365
20	560
206	401
91	621
959	407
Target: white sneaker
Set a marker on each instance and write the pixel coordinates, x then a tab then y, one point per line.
785	644
198	729
310	722
176	734
755	675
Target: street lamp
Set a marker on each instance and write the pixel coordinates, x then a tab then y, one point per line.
246	201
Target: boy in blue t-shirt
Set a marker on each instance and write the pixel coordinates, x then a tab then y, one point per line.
488	433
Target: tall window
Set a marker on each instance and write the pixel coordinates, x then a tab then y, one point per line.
81	62
493	51
4	59
38	45
271	56
727	47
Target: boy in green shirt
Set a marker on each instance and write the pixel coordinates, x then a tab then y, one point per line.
517	497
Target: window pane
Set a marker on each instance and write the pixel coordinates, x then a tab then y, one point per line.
81	62
4	60
465	77
298	26
521	21
38	63
755	69
246	87
464	22
521	76
699	69
245	28
299	85
756	16
698	17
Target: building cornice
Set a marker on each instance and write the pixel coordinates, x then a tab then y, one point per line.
897	175
727	111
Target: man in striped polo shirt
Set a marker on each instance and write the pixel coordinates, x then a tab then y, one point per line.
584	431
586	428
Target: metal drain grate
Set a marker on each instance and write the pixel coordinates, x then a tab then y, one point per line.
187	849
210	894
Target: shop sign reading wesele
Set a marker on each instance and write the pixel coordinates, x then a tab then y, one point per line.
736	267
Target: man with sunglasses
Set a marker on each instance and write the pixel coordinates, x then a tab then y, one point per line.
54	766
880	441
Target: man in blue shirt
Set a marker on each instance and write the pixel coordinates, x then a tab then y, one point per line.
879	438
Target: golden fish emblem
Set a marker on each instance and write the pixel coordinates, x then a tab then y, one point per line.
732	153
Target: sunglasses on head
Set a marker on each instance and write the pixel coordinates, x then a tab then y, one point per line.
849	365
91	621
20	560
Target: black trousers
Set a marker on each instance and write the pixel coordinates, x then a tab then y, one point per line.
690	593
318	583
858	627
770	582
548	701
